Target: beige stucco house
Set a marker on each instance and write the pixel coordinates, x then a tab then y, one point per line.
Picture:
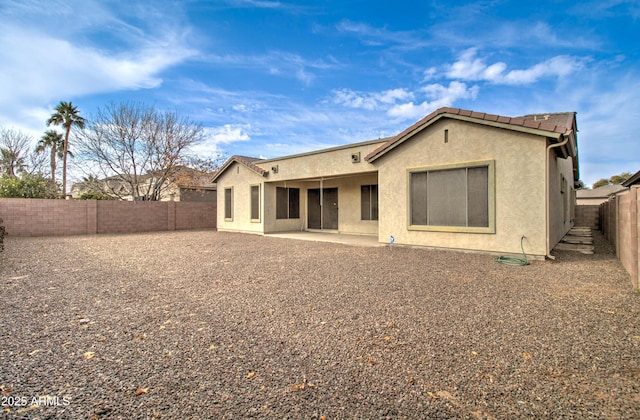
455	179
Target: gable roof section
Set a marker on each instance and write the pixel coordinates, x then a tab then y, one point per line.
633	180
561	124
243	160
600	192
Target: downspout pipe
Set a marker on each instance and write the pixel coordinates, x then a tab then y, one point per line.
546	192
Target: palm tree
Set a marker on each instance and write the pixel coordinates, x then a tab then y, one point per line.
54	141
11	162
67	116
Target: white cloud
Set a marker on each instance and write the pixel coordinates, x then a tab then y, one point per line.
218	137
558	66
43	68
400	103
227	133
369	101
470	67
277	63
438	96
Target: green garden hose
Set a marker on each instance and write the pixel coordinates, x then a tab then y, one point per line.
505	259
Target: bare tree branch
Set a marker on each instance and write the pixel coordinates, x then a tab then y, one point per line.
139	151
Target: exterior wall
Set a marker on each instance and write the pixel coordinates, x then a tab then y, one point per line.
519	186
348	205
588	216
34	217
561	198
240	178
333	162
303	172
271	224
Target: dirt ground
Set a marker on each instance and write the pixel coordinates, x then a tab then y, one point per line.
204	324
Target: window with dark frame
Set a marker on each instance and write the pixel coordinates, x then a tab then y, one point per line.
456	197
228	203
369	202
287	203
255	202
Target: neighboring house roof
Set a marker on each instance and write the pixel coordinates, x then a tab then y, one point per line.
601	192
555	125
243	160
635	179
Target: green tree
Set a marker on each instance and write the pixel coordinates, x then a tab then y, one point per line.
599	183
54	141
28	186
613	180
67	116
619	179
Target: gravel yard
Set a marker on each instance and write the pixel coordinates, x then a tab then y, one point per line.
205	324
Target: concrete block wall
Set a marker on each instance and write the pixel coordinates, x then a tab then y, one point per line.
132	216
40	217
588	216
195	215
627	232
35	217
621	227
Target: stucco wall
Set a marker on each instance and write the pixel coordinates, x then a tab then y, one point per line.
240	178
559	201
294	172
327	164
519	186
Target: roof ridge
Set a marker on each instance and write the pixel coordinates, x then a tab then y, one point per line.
543	125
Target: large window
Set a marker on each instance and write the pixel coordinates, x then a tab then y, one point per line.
228	203
452	198
369	202
287	203
255	202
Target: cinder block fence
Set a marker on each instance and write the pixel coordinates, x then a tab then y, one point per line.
35	217
620	223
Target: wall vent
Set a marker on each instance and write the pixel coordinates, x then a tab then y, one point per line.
274	169
355	157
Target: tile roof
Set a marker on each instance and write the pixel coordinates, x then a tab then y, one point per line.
560	123
249	162
600	192
633	180
562	119
244	160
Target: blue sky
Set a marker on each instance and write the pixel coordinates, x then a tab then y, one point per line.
270	78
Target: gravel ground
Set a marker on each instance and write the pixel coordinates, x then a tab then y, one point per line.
204	324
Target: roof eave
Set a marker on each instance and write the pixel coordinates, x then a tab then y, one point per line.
237	159
535	131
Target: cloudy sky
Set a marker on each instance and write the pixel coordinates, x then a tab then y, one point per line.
269	78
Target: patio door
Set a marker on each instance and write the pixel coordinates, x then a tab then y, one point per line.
322	215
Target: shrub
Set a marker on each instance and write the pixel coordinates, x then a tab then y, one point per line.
29	186
92	195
